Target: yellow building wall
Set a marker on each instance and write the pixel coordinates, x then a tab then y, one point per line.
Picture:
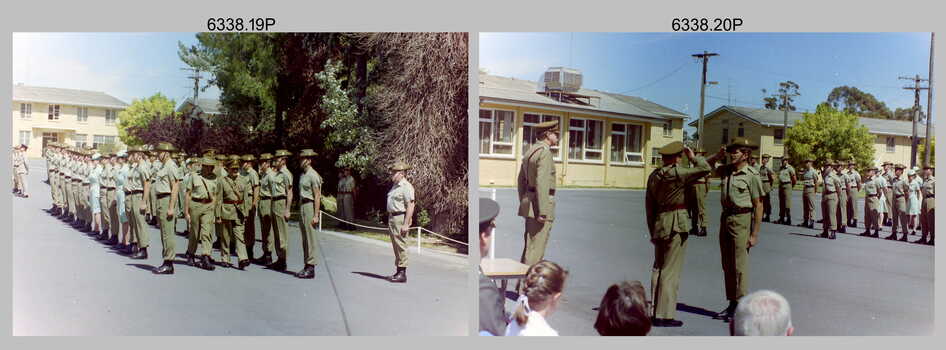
64	128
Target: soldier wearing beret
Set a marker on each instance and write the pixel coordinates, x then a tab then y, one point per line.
400	206
829	201
741	199
230	214
928	206
669	224
786	182
768	177
536	187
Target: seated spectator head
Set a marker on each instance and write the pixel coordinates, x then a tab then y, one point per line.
544	283
489	209
762	312
623	311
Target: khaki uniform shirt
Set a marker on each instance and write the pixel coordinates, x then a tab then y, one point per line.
310	183
872	187
230	192
136	178
399	196
928	189
536	183
201	187
665	202
832	183
282	182
250	180
785	175
266	183
901	188
739	187
165	176
767	176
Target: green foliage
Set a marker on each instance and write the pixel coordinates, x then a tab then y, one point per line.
830	134
107	147
907	114
852	100
140	113
921	151
423	218
777	103
349	131
329	204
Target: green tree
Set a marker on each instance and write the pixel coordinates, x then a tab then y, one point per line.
140	113
830	134
921	151
907	114
776	102
852	100
349	130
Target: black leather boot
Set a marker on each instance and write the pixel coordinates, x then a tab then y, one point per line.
876	233
892	237
113	241
165	269
308	272
206	263
141	254
400	276
265	260
279	265
833	235
190	259
726	315
243	264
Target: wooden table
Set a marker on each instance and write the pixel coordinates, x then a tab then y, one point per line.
504	270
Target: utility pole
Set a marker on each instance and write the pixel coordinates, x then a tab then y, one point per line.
196	77
929	107
916	113
705	57
784	95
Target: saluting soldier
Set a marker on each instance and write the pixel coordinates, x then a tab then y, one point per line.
872	193
901	195
888	176
230	214
166	182
400	206
536	187
696	200
310	195
250	177
928	206
199	211
852	192
768	177
668	224
282	184
829	201
346	198
266	208
810	180
741	199
787	179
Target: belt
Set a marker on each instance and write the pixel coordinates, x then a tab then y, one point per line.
134	192
265	198
807	186
830	192
306	200
930	196
896	196
278	198
551	190
786	183
69	178
233	202
109	188
700	183
873	195
672	208
396	213
161	195
736	211
202	200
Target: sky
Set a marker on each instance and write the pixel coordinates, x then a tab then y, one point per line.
660	68
128	66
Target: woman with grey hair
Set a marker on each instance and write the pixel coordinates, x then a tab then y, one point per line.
762	312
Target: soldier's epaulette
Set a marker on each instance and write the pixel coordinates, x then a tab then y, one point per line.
752	170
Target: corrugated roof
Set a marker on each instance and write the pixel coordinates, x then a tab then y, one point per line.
769	117
524	91
66	97
205	105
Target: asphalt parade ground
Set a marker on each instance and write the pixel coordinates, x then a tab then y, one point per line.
849	286
66	283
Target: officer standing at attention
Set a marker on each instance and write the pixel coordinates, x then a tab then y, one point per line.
741	199
928	206
841	170
667	222
872	192
888	176
536	187
199	211
310	196
696	200
265	208
166	181
230	214
282	184
855	179
768	177
250	177
901	195
787	179
400	205
346	198
138	184
810	180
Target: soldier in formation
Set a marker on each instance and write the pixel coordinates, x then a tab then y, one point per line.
928	206
786	182
768	178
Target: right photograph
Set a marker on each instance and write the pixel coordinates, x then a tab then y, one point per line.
706	184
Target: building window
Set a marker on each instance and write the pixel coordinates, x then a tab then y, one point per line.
779	135
53	112
529	135
891	144
25	138
79	140
49	137
497	129
102	140
655	158
110	116
585	139
626	144
741	131
26	110
668	130
725	136
82	114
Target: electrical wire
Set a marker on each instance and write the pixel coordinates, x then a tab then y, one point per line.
668	75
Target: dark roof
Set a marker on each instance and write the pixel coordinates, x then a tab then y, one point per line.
204	105
514	90
66	97
774	118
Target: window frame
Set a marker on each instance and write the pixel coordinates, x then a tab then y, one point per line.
82	114
493	125
778	136
114	116
668	129
585	149
655	158
85	140
891	144
556	150
626	147
26	111
54	111
104	138
725	134
29	136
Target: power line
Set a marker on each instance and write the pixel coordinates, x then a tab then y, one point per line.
666	76
796	76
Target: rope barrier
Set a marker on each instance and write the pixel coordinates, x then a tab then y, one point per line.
418	228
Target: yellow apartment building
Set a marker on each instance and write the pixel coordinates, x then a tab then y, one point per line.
80	118
607	139
764	126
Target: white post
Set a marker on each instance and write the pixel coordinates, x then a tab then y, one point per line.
320	220
418	240
492	242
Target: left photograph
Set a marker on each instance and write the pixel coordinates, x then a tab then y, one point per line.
240	184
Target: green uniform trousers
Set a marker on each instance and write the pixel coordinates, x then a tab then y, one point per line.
265	226
808	204
536	240
734	253
851	204
871	214
249	231
232	231
784	199
112	209
310	243
665	276
166	224
346	205
106	213
928	217
697	208
829	208
888	194
900	216
200	234
137	218
395	223
279	228
842	208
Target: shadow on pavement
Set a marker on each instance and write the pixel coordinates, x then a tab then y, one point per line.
148	268
372	275
695	310
804	235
